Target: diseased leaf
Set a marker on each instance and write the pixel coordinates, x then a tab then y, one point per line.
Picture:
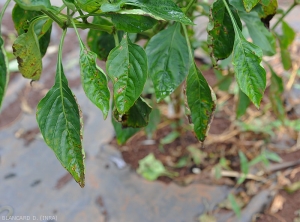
127	68
34	5
276	90
168	60
132	23
220	30
27	51
23	18
4	73
94	80
249	4
250	75
242	105
200	101
60	122
165	9
137	116
123	134
269	9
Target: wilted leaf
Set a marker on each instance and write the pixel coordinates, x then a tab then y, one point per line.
150	168
23	18
220	30
127	68
200	101
59	119
27	51
168	60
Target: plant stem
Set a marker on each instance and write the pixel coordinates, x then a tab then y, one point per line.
78	36
2	12
116	38
185	10
191	54
54	18
284	14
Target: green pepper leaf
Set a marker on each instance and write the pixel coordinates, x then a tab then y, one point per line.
27	51
137	116
168	60
34	5
260	35
4	73
276	91
133	23
127	68
123	134
94	80
250	75
90	5
23	18
154	120
220	30
200	101
243	104
165	9
249	4
59	119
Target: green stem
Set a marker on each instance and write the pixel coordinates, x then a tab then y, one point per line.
116	38
284	14
191	54
185	10
82	46
54	18
2	12
60	51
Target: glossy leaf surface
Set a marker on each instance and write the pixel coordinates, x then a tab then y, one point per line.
94	81
59	119
165	9
127	68
200	101
132	23
168	60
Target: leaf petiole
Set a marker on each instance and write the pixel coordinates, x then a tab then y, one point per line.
2	12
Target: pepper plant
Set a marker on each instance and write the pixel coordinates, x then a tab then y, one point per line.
166	61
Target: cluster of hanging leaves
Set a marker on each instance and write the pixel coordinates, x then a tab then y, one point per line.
166	60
